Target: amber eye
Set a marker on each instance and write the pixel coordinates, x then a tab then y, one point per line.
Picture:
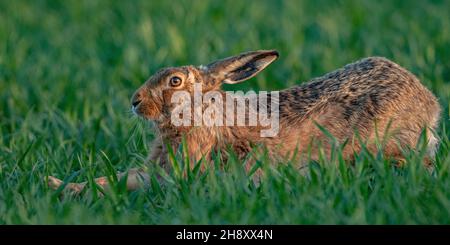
175	81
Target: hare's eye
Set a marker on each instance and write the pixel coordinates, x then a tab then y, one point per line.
175	81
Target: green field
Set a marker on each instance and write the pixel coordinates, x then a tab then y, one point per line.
69	68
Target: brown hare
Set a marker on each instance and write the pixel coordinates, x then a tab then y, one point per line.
364	100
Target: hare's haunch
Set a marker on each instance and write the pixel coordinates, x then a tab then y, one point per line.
369	99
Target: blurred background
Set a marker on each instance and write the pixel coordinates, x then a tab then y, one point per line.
85	58
69	68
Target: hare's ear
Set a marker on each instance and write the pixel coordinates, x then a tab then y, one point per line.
241	67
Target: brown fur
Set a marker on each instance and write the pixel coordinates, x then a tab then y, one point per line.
365	96
373	97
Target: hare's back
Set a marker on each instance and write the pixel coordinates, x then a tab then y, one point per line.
370	85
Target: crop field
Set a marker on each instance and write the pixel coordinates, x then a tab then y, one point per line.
69	68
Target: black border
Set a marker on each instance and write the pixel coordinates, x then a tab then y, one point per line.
167	233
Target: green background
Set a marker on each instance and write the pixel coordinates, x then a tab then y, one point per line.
69	68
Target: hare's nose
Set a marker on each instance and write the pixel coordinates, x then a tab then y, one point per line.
136	102
137	98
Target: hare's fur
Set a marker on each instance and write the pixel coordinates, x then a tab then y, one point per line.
368	101
373	98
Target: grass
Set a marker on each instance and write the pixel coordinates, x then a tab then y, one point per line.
69	68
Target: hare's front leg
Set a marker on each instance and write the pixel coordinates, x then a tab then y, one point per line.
136	177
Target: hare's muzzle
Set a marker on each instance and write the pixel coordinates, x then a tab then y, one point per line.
135	103
145	105
136	100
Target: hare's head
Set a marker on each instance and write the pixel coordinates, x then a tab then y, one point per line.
153	99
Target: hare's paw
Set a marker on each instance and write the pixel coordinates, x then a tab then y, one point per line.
73	188
54	183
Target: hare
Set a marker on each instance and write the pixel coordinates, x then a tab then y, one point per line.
371	98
